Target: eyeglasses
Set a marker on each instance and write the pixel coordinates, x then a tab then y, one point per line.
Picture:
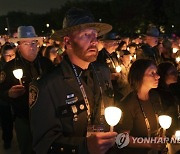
8	55
33	43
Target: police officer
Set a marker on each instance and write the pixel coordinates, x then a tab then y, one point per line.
74	94
16	92
123	85
149	48
107	55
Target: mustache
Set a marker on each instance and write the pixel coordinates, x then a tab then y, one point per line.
92	48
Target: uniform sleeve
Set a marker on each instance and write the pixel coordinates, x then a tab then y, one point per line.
47	130
6	82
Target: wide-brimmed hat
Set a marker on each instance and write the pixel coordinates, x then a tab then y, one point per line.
111	36
25	33
152	31
77	19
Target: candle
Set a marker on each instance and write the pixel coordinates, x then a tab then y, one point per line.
175	50
165	122
118	69
18	73
112	116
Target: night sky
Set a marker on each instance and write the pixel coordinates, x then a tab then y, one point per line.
35	6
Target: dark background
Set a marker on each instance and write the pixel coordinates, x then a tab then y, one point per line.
128	17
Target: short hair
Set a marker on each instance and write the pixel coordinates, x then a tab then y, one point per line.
5	47
136	72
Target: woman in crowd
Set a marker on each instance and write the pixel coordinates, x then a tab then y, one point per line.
141	107
51	52
7	54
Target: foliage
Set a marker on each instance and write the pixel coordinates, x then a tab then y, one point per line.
126	16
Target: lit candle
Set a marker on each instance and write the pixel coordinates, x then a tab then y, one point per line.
178	59
177	134
175	50
131	57
18	73
118	69
165	122
112	116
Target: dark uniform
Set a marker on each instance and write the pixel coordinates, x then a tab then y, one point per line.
31	71
6	116
109	60
58	111
148	52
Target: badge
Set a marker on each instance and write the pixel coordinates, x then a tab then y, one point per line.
33	95
71	100
81	106
108	60
2	76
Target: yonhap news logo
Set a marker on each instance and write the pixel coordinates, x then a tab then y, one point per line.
122	140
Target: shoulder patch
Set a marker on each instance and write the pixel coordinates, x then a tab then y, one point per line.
2	76
33	95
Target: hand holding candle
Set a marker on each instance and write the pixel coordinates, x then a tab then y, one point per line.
18	73
112	116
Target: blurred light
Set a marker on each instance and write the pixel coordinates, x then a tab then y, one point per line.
162	29
178	59
47	25
118	69
16	44
175	50
130	57
172	26
177	134
6	29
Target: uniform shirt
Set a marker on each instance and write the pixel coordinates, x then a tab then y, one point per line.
20	104
148	52
59	114
109	60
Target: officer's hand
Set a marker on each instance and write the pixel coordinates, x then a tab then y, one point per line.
100	142
16	91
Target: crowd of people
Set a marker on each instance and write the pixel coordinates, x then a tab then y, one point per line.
71	77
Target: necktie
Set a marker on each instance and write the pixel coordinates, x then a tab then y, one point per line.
88	79
34	72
